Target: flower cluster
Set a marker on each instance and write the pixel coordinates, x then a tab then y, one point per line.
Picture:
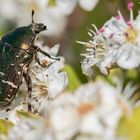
90	112
115	44
47	82
54	15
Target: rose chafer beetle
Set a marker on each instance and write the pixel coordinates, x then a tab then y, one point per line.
17	51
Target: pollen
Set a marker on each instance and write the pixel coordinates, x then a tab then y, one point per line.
24	46
44	62
131	34
85	108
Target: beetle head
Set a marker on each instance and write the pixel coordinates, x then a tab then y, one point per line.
37	27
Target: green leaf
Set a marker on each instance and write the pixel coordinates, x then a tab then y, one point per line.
51	2
132	74
73	80
5	125
23	114
110	77
27	115
129	125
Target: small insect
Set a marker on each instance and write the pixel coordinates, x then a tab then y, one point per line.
17	51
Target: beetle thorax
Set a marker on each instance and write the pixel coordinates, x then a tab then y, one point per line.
22	37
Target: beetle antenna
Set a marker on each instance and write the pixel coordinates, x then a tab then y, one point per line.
33	16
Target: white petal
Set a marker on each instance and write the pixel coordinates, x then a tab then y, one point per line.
129	57
91	124
56	84
87	65
55	67
105	63
86	69
65	122
66	6
54	50
88	4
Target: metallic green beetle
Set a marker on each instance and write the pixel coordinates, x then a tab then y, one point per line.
17	50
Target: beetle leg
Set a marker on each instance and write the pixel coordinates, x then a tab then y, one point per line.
38	61
29	86
46	54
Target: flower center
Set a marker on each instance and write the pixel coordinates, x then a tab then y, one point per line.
84	108
130	34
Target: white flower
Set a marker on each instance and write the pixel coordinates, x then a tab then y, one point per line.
63	116
124	37
125	97
88	5
67	6
98	107
53	51
98	53
101	106
117	42
92	111
48	81
29	127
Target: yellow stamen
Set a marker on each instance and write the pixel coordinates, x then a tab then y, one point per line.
130	34
84	108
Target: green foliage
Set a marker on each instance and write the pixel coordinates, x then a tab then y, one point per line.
4	126
129	125
132	75
27	115
51	2
73	79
